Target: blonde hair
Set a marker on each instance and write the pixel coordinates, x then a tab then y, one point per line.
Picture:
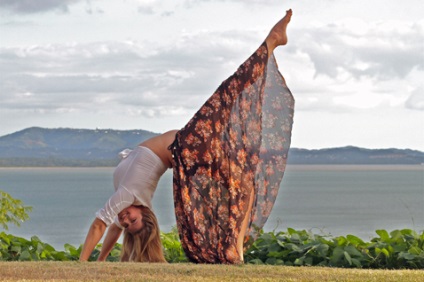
144	245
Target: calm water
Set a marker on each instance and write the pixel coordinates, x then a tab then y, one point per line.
336	200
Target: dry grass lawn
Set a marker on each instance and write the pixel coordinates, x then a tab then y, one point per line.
75	271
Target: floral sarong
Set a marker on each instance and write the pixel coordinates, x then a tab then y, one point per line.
235	146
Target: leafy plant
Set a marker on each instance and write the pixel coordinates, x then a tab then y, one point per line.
14	248
289	248
173	250
401	249
12	210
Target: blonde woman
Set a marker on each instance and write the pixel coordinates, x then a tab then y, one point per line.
129	209
228	162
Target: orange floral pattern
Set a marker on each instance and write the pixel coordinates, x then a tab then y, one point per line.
236	145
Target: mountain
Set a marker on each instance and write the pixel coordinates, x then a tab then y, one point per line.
355	155
37	146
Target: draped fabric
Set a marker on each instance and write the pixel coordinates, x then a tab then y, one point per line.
234	147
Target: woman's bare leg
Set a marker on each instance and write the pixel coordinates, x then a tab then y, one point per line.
278	34
243	229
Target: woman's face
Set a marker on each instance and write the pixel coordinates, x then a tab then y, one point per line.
130	218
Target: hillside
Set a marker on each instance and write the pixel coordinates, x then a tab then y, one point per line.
355	155
67	147
82	147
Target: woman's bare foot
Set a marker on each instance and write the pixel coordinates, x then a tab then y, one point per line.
278	35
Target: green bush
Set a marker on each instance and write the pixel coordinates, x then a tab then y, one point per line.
14	248
173	250
12	210
399	249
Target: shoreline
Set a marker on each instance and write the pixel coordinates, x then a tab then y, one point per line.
355	167
289	167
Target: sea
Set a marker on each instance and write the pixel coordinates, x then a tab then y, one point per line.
334	200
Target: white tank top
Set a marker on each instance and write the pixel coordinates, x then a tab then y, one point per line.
135	179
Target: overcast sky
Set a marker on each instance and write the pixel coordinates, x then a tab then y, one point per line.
355	67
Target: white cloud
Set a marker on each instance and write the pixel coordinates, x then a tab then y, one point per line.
147	7
332	58
167	80
247	2
38	6
416	99
374	52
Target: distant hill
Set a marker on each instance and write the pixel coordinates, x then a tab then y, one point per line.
37	146
355	155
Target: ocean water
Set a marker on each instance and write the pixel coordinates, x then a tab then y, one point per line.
334	200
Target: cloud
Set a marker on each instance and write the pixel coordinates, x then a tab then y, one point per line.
146	10
345	68
149	79
374	52
38	6
416	99
191	2
147	7
195	3
122	76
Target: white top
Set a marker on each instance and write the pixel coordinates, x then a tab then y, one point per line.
135	180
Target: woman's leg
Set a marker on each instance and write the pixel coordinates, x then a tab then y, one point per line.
243	229
276	37
230	158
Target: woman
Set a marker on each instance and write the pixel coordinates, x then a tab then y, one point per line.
228	162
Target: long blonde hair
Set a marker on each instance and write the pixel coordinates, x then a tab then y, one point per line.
144	245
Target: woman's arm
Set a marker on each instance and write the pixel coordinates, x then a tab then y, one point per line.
95	233
112	236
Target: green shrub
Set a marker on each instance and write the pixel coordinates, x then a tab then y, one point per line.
12	210
400	249
173	250
14	248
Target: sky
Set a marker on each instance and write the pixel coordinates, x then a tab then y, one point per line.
355	67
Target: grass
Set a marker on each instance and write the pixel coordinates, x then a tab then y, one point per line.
93	271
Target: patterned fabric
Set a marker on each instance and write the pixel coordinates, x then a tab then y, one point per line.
235	146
